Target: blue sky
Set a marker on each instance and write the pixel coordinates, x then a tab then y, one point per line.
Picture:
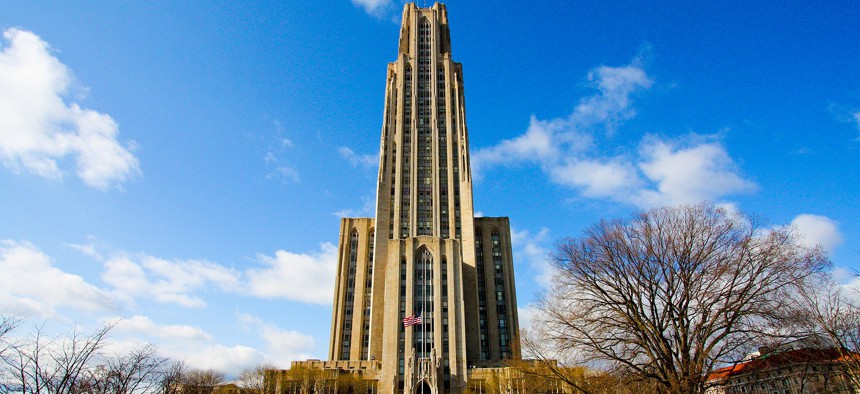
183	165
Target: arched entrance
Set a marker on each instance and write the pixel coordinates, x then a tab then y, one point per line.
423	388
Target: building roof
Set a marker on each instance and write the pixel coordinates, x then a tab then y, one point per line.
782	359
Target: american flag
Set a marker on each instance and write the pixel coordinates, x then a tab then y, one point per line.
412	320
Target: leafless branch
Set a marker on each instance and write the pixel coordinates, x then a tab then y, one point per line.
673	292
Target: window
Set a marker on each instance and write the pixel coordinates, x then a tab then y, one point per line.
423	301
349	295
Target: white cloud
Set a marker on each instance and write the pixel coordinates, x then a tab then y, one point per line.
843	275
167	281
87	249
530	249
688	174
548	142
276	146
613	177
540	143
612	106
228	359
32	285
661	172
300	277
201	350
295	276
368	207
38	129
197	348
818	230
284	174
365	161
525	315
282	346
143	325
373	7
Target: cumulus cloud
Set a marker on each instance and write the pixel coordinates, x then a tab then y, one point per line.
531	249
144	325
525	315
39	129
282	346
611	106
818	230
32	285
229	359
167	281
197	348
597	177
373	7
660	172
295	276
356	160
688	173
539	143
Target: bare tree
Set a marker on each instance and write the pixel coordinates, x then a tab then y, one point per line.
55	366
829	312
171	378
7	324
550	369
254	379
138	371
303	380
671	292
201	381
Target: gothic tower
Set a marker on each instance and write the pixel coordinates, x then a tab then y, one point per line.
425	254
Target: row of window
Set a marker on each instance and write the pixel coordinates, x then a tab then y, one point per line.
349	297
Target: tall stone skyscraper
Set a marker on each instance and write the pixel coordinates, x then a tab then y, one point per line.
425	254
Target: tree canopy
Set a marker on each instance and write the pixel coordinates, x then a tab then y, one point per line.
672	292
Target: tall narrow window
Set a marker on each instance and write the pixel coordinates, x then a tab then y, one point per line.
501	295
424	178
482	293
442	130
368	285
401	332
422	301
406	154
349	295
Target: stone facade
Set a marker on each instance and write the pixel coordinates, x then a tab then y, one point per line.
425	251
788	371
